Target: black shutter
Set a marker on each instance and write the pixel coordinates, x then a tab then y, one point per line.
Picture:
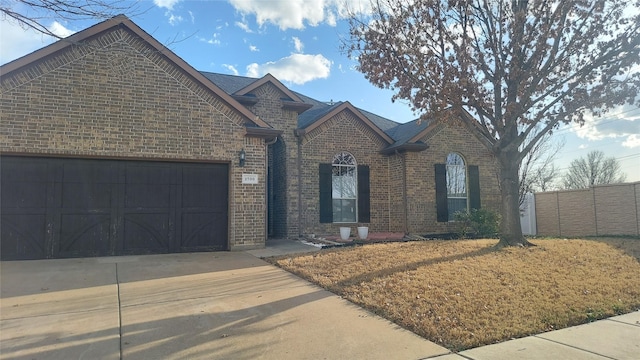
441	193
474	187
364	204
326	208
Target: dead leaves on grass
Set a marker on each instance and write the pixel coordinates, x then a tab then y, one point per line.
463	294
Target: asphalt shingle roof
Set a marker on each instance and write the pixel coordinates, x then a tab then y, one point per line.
399	132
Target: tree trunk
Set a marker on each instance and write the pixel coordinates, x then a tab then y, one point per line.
510	230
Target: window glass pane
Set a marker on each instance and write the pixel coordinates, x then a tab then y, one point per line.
344	187
456	184
349	186
336	185
455	205
344	210
456	180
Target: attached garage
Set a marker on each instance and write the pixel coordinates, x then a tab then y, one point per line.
64	207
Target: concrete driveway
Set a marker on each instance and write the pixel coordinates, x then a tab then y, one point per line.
224	305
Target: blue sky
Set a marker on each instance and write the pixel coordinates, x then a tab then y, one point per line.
298	41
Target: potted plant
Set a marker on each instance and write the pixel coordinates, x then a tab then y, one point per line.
363	232
345	232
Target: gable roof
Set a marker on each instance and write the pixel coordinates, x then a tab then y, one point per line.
268	79
310	116
236	91
123	21
326	114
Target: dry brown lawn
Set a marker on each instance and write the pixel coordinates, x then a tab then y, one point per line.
466	293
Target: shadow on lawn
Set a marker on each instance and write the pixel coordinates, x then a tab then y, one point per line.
629	245
412	266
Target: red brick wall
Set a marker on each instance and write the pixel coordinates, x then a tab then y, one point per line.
284	159
446	138
391	174
344	132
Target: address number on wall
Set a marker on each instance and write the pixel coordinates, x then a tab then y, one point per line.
249	178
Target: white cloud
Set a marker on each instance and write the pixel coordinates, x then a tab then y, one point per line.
193	18
174	19
60	30
297	68
297	43
285	14
253	48
620	122
214	40
231	68
243	26
632	141
295	14
16	41
167	4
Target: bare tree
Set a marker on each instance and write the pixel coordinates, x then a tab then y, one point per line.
595	169
38	14
537	170
517	68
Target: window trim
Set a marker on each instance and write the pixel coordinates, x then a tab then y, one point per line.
462	168
338	162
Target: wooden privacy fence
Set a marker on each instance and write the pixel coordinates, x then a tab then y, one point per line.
601	210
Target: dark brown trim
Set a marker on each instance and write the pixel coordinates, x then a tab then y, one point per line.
263	133
410	147
245	100
109	157
296	106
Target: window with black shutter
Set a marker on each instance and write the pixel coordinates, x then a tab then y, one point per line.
344	191
457	187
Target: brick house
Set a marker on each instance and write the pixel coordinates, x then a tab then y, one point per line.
111	145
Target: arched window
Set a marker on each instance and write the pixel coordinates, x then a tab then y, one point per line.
344	187
456	184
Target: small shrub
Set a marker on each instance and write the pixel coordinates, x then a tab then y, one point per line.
479	222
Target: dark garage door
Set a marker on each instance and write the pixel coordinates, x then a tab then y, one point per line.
57	208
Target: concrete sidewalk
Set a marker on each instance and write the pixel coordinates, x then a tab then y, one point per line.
224	305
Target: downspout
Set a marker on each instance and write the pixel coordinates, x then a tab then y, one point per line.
266	187
299	165
404	192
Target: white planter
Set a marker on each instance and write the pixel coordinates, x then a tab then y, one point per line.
345	232
363	232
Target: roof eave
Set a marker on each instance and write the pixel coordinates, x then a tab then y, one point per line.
262	133
296	106
406	147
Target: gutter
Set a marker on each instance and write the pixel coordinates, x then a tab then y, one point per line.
407	147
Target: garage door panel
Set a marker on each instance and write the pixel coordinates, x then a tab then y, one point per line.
56	207
23	188
87	196
197	196
205	187
23	236
84	235
148	195
89	171
147	173
147	233
201	231
24	195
